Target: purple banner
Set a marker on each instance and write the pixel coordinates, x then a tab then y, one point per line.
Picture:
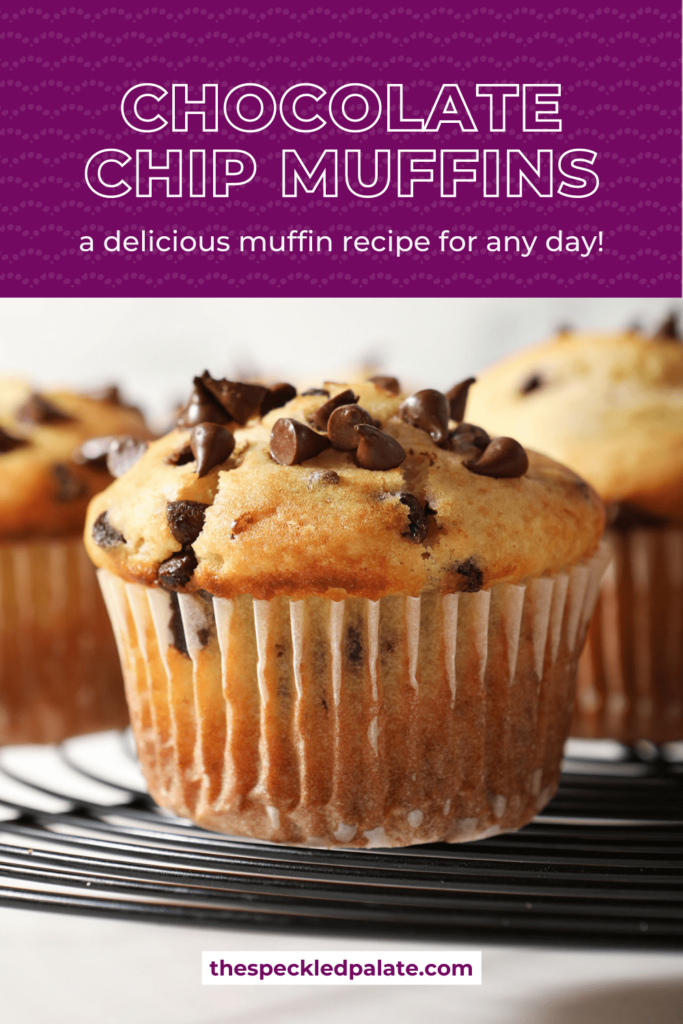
372	151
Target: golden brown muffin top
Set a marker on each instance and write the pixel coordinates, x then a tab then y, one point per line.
610	405
45	481
192	515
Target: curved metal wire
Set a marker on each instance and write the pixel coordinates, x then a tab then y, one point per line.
603	862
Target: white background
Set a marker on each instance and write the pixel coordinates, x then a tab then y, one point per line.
155	346
73	970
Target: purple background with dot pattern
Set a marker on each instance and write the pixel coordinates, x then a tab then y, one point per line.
63	71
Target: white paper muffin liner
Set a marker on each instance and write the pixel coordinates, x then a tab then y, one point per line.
630	682
59	670
358	723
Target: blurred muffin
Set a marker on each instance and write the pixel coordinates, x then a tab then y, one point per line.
351	620
610	405
59	672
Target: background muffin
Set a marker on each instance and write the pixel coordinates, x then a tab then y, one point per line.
58	667
610	405
353	620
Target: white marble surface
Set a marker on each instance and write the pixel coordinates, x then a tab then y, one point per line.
58	969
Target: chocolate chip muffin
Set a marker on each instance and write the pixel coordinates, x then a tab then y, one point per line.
347	617
59	671
610	405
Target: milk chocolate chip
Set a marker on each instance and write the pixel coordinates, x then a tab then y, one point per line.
428	410
669	330
473	576
341	426
8	441
417	518
176	572
104	534
292	442
123	453
322	478
321	416
240	401
37	409
186	519
315	391
377	450
69	486
468	434
457	398
389	384
201	408
503	457
532	383
277	396
111	394
175	624
211	445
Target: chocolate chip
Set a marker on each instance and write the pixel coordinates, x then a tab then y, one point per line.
377	450
123	453
457	398
8	442
321	416
211	445
186	519
322	478
315	391
93	453
468	434
175	624
201	408
386	384
565	328
277	396
503	457
240	401
292	442
669	329
110	394
181	456
341	426
176	572
428	410
38	409
69	486
473	576
532	383
417	518
353	643
104	534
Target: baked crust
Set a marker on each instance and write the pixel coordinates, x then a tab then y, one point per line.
270	531
609	405
43	492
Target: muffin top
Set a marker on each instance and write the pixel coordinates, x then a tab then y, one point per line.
610	405
46	477
347	490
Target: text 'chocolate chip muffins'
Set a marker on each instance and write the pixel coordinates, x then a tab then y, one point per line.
610	405
353	619
59	671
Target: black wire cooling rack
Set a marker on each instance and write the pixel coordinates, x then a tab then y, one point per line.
78	833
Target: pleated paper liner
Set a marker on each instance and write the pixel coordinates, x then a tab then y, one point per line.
362	723
630	684
59	669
